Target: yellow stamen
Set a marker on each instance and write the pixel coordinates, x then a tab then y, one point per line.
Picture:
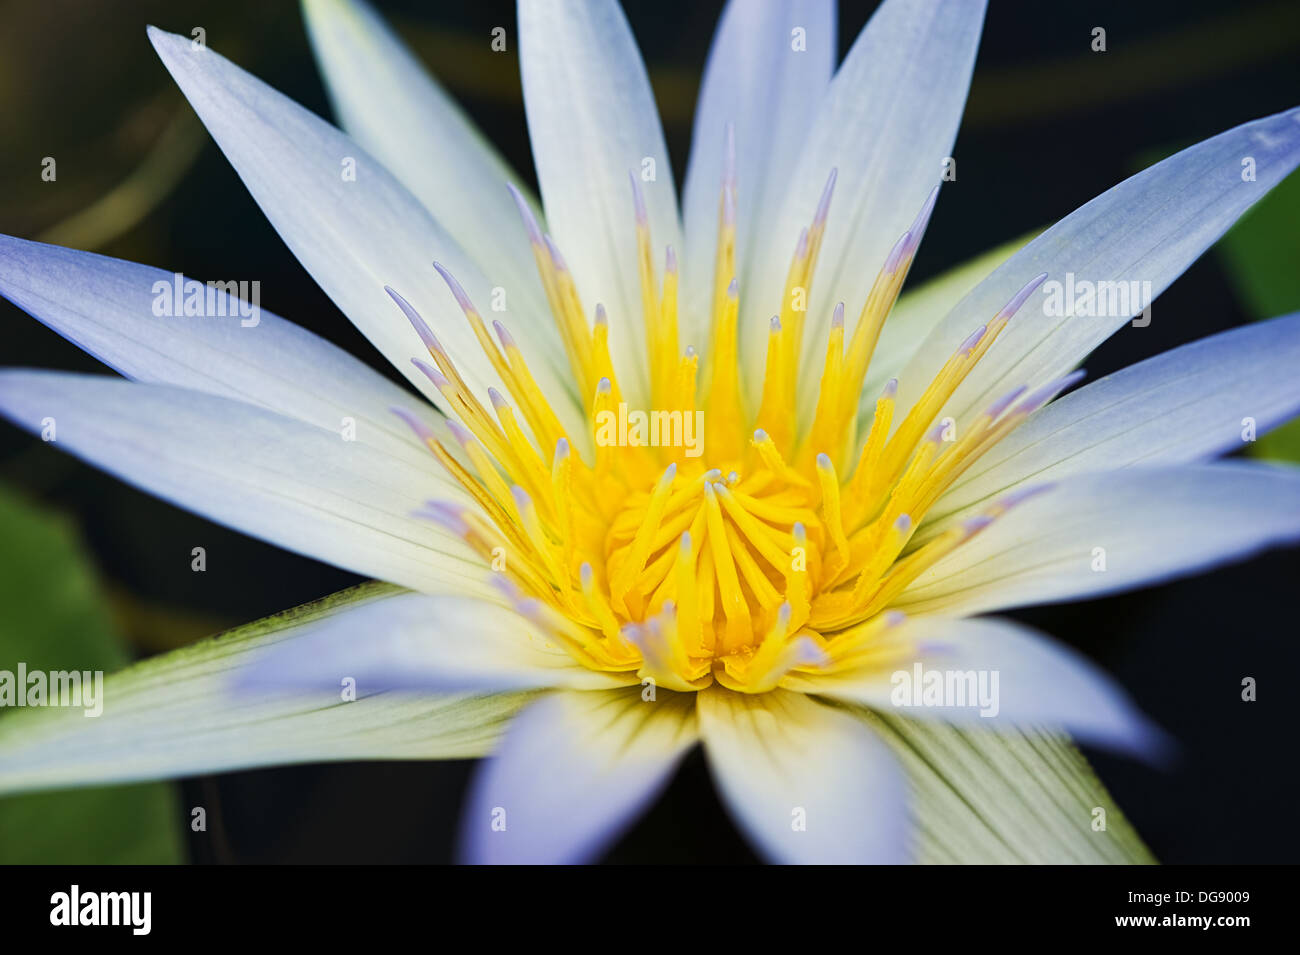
750	563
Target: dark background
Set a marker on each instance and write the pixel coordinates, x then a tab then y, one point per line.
1049	125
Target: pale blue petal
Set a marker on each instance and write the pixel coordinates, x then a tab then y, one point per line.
573	771
807	783
386	100
1104	532
1188	404
770	92
1039	683
352	225
1148	229
111	308
290	483
592	121
887	122
419	642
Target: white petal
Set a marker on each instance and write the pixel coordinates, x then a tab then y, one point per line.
1004	797
175	715
386	100
1002	674
806	782
592	121
1188	404
886	123
295	485
419	642
572	772
353	233
1149	229
1142	525
106	306
756	80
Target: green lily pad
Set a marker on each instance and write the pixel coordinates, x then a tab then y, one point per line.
1260	254
53	617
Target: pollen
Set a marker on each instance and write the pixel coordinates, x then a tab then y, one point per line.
781	542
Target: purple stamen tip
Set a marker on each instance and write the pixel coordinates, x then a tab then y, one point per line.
422	430
421	327
433	374
1009	501
1049	391
903	524
498	402
685	542
670	260
801	247
837	318
638	200
1022	296
733	289
800	532
507	340
774	325
894	617
923	217
1073	378
898	253
728	207
824	203
521	498
456	289
601	317
528	606
760	435
824	461
890	390
690	351
507	587
556	258
933	648
525	213
936	433
459	432
809	654
562	448
670	473
637	634
1002	404
603	386
972	340
446	514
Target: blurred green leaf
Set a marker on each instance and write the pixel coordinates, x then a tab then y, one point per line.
1260	254
53	617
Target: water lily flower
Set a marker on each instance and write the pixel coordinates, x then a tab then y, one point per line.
587	606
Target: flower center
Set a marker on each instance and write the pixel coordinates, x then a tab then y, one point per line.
785	550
